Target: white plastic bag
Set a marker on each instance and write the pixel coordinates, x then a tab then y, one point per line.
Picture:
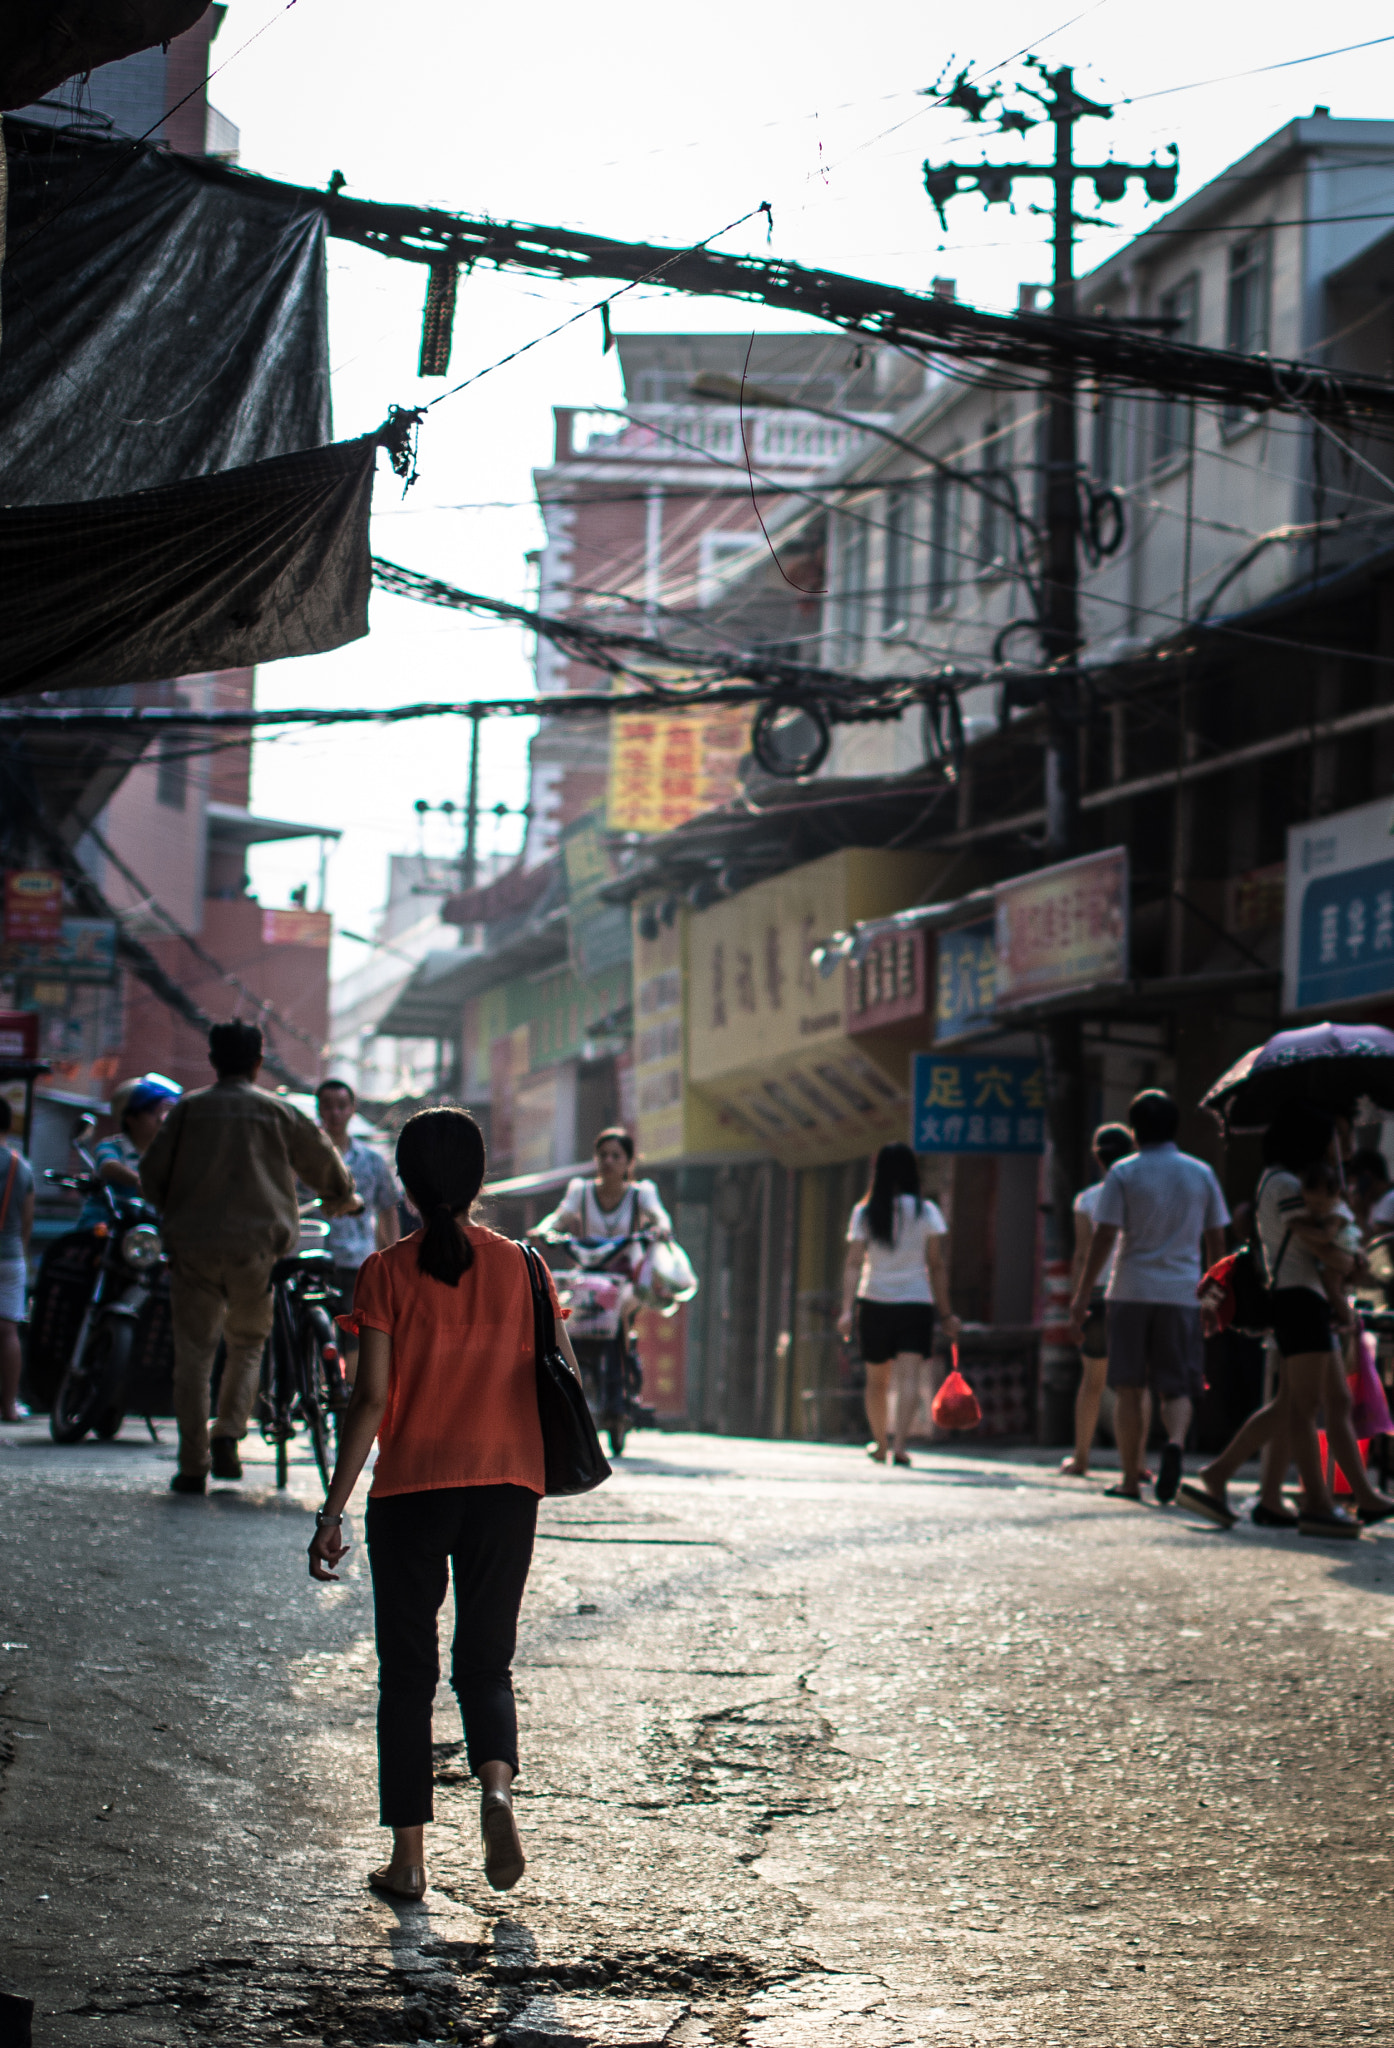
666	1279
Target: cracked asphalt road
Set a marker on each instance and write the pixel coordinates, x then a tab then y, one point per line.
814	1753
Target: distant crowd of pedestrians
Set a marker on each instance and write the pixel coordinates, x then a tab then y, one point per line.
1147	1231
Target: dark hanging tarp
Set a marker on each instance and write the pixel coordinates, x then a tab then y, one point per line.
219	572
159	323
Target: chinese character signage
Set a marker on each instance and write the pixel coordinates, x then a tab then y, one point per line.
965	980
600	931
82	949
978	1105
1063	928
672	767
886	987
295	928
19	1035
33	907
1339	935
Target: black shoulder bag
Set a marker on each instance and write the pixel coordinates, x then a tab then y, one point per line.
573	1461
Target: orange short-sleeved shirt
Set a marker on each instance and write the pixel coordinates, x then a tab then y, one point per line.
462	1384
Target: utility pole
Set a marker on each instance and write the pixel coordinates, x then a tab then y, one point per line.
1060	637
470	864
1060	693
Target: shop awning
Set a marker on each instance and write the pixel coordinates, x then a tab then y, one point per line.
538	1183
159	324
220	572
229	825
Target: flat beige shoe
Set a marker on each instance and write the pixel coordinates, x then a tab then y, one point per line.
504	1861
413	1887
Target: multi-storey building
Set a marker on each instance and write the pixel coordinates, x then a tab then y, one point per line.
1237	604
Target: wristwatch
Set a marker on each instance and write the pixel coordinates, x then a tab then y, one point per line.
324	1521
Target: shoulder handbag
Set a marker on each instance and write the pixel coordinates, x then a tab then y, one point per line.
572	1460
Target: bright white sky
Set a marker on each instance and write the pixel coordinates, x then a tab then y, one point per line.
629	121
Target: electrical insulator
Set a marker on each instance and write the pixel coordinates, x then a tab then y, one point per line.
940	185
1110	182
995	186
1160	181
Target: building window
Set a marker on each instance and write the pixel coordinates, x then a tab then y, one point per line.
850	622
717	555
944	537
172	771
899	543
1247	306
1171	419
994	501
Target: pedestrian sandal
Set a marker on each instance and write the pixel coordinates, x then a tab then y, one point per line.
504	1861
414	1886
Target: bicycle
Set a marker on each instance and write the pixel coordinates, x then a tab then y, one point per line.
302	1374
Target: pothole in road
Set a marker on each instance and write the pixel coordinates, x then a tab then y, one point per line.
775	1758
455	1992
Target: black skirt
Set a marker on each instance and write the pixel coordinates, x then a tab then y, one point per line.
886	1328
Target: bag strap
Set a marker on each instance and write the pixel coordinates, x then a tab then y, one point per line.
9	1187
1287	1235
544	1321
1264	1179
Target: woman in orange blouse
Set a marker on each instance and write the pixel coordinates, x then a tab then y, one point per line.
447	1384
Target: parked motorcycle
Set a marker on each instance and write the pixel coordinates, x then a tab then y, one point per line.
611	1277
124	1324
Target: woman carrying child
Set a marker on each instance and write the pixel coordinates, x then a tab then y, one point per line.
447	1385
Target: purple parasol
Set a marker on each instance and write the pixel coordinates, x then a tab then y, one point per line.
1333	1065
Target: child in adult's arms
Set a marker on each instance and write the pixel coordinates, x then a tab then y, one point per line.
447	1384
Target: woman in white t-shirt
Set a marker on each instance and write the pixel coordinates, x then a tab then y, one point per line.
609	1203
895	1254
1112	1142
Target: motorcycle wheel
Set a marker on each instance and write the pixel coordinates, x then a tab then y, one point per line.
91	1393
282	1461
617	1432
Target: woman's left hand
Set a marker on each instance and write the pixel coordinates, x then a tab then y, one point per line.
328	1548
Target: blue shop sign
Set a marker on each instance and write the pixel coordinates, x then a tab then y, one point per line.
1346	940
978	1105
965	980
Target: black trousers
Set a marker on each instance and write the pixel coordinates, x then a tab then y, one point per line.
484	1534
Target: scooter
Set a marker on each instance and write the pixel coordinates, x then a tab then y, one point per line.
599	1290
94	1391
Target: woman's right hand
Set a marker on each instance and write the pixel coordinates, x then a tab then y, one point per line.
327	1549
844	1323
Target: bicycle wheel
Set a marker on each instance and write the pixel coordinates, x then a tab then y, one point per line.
313	1401
278	1370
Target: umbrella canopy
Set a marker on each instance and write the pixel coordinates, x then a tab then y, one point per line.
1332	1065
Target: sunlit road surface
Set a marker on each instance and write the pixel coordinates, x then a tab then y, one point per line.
813	1752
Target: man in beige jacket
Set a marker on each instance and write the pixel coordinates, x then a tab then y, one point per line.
222	1170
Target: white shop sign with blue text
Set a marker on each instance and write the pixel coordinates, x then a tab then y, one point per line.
1338	940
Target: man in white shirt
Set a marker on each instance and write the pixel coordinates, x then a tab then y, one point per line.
1159	1206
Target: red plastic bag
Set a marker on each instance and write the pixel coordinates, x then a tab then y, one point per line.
955	1404
1369	1408
1340	1485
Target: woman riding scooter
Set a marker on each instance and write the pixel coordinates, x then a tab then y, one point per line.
605	1217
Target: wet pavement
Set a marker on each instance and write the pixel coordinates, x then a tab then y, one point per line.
814	1752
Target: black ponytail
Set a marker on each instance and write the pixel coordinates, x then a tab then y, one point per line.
440	1157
